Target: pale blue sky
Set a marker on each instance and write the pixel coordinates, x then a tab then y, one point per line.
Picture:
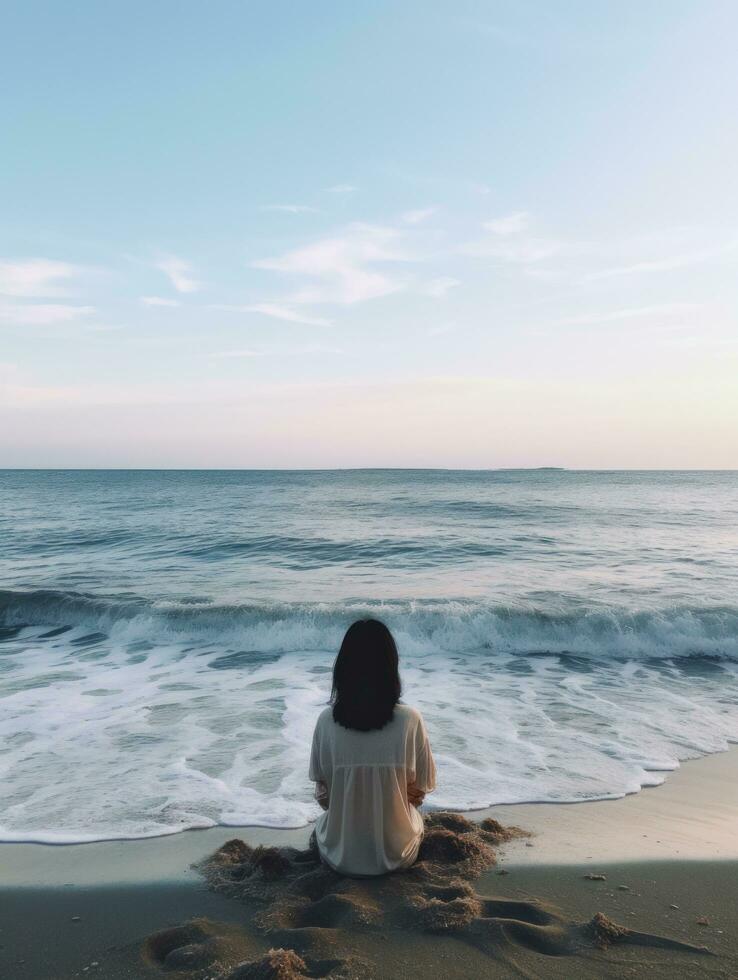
338	234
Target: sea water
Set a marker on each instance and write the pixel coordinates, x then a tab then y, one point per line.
166	638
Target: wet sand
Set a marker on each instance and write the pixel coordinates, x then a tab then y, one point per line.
42	941
674	845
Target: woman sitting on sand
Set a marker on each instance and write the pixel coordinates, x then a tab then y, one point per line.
371	760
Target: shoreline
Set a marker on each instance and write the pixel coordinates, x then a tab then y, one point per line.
690	816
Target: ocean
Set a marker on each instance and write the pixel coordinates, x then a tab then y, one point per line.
166	637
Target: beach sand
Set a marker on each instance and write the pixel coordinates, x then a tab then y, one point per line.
669	856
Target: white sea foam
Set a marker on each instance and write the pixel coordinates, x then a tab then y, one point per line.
120	737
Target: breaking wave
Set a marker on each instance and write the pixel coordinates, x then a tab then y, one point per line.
421	626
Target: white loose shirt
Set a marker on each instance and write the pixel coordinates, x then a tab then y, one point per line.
370	826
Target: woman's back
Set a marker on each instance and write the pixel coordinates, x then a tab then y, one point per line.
371	826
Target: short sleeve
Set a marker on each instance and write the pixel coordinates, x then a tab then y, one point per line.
315	773
425	766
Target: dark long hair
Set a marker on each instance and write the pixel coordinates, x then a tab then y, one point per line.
366	678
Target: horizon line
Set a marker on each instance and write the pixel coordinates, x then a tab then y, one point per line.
360	469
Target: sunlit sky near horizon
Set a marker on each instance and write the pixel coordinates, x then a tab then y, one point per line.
370	233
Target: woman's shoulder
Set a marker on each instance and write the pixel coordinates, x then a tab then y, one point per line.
408	713
325	717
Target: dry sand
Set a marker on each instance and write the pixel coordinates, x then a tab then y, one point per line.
693	815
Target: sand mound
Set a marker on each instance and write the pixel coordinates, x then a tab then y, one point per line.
452	915
464	851
332	911
204	950
241	871
494	832
604	931
278	964
286	964
449	821
452	841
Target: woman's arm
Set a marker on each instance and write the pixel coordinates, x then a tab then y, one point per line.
316	773
321	794
415	795
425	767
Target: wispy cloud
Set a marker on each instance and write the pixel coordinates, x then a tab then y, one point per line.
278	312
509	224
289	208
341	189
415	217
440	286
36	278
507	239
42	314
667	263
631	313
159	301
179	274
344	269
523	250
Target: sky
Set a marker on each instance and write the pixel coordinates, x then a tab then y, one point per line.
290	234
